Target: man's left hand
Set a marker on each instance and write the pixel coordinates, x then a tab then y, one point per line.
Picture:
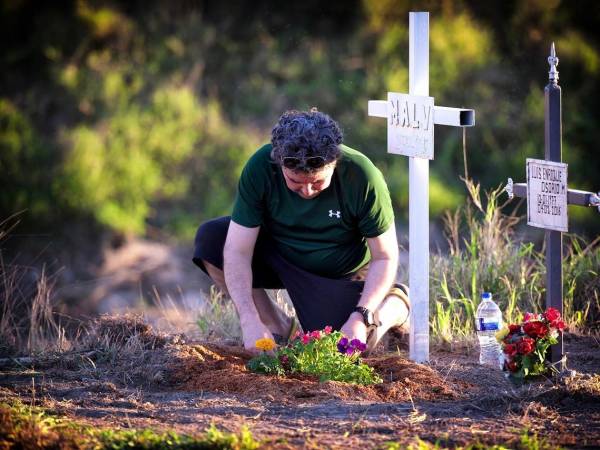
355	328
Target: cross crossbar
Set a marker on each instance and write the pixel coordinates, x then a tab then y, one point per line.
442	115
574	196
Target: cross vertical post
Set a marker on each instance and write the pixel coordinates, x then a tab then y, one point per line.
418	205
553	152
411	118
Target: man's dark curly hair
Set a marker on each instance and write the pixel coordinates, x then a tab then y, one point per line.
303	134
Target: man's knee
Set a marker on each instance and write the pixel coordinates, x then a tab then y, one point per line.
211	232
217	275
209	243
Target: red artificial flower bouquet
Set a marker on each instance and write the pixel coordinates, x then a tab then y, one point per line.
525	345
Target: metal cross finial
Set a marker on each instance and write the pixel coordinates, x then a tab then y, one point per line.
553	61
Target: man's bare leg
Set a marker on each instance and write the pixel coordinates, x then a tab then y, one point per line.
392	312
270	313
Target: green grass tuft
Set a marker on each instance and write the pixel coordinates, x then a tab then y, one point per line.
526	441
23	426
485	255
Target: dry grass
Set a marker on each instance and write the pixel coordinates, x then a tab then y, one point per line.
107	332
218	317
132	350
583	385
29	324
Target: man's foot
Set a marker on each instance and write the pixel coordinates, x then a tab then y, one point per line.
401	292
394	314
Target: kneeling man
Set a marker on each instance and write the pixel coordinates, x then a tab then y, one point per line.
312	216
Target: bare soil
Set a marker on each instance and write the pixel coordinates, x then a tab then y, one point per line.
167	384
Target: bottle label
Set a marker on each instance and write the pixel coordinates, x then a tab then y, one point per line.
487	326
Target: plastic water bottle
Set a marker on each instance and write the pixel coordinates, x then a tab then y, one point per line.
488	322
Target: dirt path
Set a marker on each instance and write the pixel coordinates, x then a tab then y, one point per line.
454	402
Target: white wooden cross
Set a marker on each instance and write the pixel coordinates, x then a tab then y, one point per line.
410	132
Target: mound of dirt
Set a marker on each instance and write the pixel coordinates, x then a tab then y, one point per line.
218	368
119	331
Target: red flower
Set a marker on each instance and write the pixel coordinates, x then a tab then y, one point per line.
328	329
528	316
535	329
315	334
558	324
285	362
552	314
525	346
306	339
514	328
511	365
510	349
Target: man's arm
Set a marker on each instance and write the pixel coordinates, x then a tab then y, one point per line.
237	266
380	277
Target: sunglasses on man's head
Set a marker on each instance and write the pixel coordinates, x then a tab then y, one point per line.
311	162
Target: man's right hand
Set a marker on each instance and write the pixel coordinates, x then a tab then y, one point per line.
252	332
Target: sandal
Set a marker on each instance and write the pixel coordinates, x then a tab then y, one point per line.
401	291
294	328
371	339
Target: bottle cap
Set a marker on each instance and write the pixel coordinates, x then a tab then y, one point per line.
486	296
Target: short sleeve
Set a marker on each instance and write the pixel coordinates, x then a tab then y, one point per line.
376	214
249	206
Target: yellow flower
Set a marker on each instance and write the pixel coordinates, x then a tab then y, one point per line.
502	333
265	344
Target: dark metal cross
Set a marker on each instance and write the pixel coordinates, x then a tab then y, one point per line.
553	152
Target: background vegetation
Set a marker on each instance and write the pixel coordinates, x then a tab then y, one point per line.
135	118
138	116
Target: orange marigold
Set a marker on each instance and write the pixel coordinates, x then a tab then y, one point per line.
265	344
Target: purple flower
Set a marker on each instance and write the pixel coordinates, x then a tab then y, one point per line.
342	345
350	347
357	345
361	346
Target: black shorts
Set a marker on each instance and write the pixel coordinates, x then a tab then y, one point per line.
318	301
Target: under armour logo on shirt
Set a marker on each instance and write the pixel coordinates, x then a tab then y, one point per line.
337	214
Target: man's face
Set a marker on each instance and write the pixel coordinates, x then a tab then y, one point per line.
308	185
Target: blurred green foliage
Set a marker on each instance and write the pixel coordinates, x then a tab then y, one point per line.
142	114
25	164
116	170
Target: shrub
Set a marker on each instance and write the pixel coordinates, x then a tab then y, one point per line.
26	165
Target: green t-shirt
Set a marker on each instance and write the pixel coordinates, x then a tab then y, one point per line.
325	235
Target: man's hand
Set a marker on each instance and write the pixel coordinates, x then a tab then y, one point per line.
355	328
252	332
